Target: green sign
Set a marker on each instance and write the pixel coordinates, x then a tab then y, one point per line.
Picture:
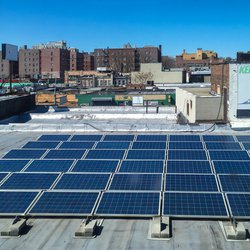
244	70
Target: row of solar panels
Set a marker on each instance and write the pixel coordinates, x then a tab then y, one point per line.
127	181
135	145
128	166
133	154
175	204
147	137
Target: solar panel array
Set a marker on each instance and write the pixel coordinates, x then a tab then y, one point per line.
179	175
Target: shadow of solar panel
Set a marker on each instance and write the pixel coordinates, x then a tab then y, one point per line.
129	204
119	138
41	144
86	138
49	166
12	165
25	154
235	183
187	155
149	145
95	166
232	167
142	166
105	154
29	181
77	145
200	205
243	138
53	138
185	145
189	167
113	145
239	204
15	203
229	155
181	182
146	154
223	146
246	145
184	138
152	138
58	203
2	176
83	181
152	182
65	154
218	138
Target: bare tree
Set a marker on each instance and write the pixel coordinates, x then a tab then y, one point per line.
168	62
142	77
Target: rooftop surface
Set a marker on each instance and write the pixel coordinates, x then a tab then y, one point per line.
200	91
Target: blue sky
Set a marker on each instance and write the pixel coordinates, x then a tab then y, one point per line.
223	26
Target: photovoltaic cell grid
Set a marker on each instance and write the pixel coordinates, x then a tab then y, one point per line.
105	154
235	183
2	176
185	145
232	167
142	166
243	138
189	167
246	145
29	181
49	166
218	138
83	181
239	204
223	146
229	155
65	154
41	144
152	138
86	138
149	145
181	182
12	202
95	166
128	203
187	155
184	138
25	154
151	182
77	145
119	137
12	165
113	145
146	154
64	203
194	205
54	138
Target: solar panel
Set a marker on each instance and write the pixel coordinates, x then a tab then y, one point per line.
243	138
189	167
142	166
129	204
86	138
29	181
146	154
2	176
239	204
15	203
185	145
58	203
152	138
41	144
105	154
12	165
49	166
198	205
246	145
184	138
228	155
149	145
191	182
232	167
25	154
65	154
187	155
83	181
119	138
77	145
218	138
113	145
95	166
54	138
150	182
235	183
223	146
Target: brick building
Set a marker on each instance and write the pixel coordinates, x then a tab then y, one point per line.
5	68
243	56
76	59
88	61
